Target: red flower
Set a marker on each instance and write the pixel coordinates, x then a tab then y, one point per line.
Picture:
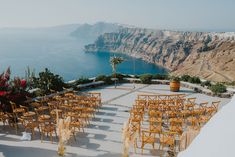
2	93
23	83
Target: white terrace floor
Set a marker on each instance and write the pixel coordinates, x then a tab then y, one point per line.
103	137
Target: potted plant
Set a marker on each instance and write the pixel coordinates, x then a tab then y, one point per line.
175	84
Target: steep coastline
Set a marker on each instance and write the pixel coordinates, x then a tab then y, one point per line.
207	55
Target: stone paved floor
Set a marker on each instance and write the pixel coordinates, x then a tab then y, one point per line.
103	137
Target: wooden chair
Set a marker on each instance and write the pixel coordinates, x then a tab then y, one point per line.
203	104
30	123
17	112
75	123
47	127
155	125
203	119
185	113
3	117
35	104
41	114
136	115
176	121
135	126
190	103
167	139
213	108
192	120
148	137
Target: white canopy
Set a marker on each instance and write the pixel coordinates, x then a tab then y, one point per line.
217	137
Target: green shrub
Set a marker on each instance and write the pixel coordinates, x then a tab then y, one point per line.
119	76
83	80
185	78
48	82
195	80
136	76
106	79
161	76
230	83
218	88
206	83
146	78
175	78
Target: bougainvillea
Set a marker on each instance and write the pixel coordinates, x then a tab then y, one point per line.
11	90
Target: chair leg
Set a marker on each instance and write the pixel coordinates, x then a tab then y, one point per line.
32	133
51	137
74	136
142	148
135	145
42	134
56	134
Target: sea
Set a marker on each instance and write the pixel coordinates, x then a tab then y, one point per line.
63	55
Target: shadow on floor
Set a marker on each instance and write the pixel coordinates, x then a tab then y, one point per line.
13	151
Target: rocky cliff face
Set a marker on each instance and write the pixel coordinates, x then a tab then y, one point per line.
208	55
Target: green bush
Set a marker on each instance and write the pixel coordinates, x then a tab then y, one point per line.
146	78
185	78
106	79
230	83
188	78
136	76
206	83
119	76
175	78
83	80
161	76
218	88
195	80
48	82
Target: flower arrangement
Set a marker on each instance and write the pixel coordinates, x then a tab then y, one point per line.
64	133
126	138
11	90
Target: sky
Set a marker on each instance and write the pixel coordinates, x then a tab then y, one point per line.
157	14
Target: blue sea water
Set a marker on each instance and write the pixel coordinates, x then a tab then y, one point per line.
63	55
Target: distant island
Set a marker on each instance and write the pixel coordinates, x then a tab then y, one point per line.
208	55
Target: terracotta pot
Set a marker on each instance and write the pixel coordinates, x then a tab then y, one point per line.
174	86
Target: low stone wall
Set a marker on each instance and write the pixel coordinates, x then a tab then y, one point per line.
195	87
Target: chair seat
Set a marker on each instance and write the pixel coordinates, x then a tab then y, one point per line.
48	128
31	125
167	140
185	112
189	105
177	129
157	120
18	110
204	119
149	139
44	117
29	114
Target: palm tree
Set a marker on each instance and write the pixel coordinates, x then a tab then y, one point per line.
114	61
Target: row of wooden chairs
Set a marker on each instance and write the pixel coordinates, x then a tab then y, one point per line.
43	114
167	116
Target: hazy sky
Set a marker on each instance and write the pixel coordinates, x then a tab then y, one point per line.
168	14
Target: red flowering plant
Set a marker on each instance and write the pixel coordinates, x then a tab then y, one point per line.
11	90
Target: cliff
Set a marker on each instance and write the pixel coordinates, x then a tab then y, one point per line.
207	55
87	33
